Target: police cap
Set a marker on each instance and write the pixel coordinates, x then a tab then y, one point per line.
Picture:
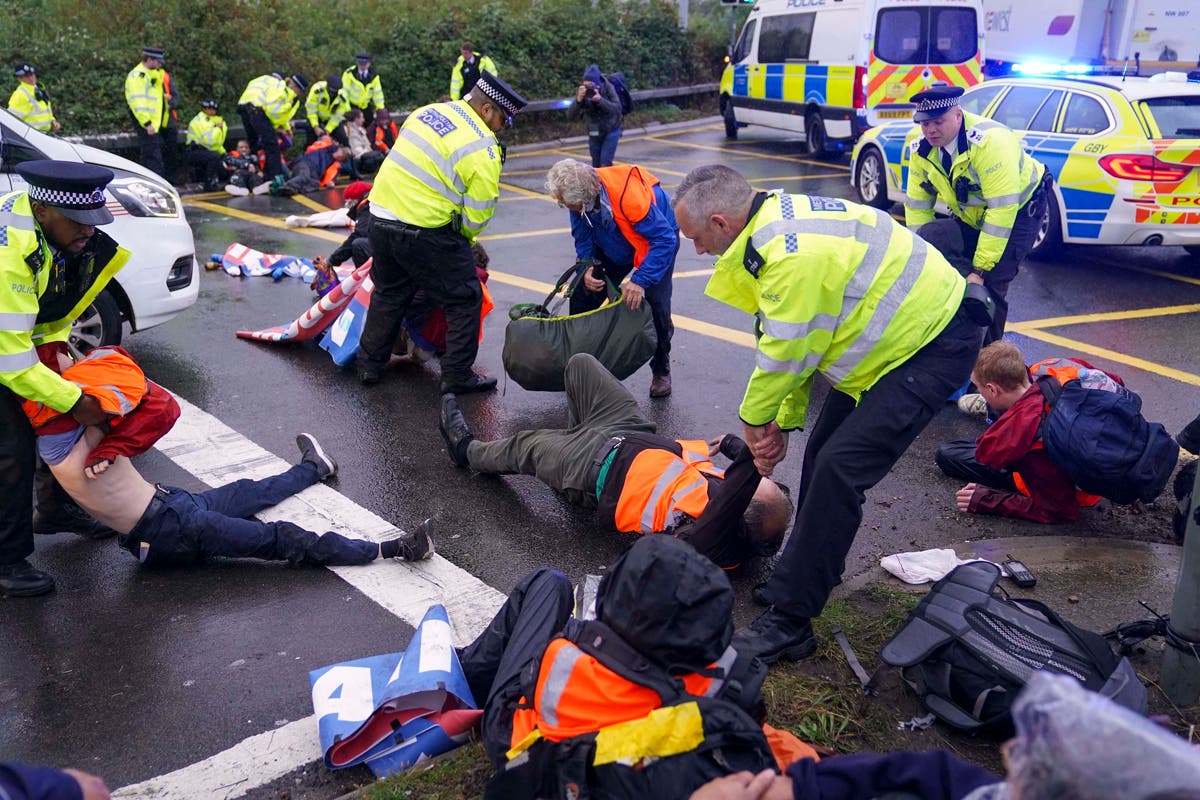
934	102
24	69
209	103
300	81
500	93
75	189
362	57
154	52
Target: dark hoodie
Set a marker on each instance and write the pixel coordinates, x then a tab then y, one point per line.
604	116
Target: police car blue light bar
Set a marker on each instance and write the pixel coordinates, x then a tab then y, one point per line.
1041	68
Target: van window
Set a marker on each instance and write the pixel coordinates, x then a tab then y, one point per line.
1019	105
742	49
785	38
1084	116
978	98
1044	119
926	35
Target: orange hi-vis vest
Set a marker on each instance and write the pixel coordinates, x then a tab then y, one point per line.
659	485
631	191
332	170
381	142
105	373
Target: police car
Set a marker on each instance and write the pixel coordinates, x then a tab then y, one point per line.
160	280
1125	155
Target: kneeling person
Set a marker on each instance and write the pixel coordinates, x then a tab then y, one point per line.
610	458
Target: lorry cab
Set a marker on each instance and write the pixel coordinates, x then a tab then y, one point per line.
829	69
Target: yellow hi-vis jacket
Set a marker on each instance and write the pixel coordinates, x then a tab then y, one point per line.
482	63
274	97
26	105
446	162
359	94
1000	178
146	98
324	109
208	131
838	288
26	266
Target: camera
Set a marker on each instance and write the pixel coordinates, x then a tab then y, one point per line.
589	92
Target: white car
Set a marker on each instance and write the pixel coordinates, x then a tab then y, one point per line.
161	278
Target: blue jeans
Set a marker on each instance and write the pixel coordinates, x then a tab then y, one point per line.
603	147
184	528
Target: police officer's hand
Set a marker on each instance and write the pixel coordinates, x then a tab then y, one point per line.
962	498
973	278
54	126
633	294
92	787
87	411
591	282
768	444
741	786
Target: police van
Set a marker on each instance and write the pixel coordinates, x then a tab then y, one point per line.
832	68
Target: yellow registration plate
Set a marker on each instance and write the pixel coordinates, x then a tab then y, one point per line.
893	114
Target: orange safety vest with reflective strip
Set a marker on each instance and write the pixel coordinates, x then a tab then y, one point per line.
659	483
107	374
631	192
331	171
381	142
576	695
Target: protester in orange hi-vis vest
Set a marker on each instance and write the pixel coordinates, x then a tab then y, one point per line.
623	225
609	458
1009	471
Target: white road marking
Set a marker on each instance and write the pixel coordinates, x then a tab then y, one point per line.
216	454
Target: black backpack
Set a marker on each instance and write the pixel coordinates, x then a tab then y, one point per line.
617	79
968	652
1104	443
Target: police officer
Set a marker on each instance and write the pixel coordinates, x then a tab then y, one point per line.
146	97
324	109
53	263
361	87
206	145
266	107
466	70
30	102
843	290
434	194
995	191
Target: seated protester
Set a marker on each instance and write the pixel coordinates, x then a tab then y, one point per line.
206	146
382	131
609	458
1009	471
245	174
316	169
354	132
166	525
647	700
357	246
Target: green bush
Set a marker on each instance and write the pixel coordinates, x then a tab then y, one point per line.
214	47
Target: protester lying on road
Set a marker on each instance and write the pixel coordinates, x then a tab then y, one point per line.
609	458
25	782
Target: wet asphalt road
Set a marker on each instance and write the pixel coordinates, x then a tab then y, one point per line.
132	674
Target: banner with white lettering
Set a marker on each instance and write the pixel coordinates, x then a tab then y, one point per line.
395	710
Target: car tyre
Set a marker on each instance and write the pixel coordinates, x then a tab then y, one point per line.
99	324
814	136
1049	242
870	179
731	123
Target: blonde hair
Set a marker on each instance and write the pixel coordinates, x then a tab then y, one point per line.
1001	363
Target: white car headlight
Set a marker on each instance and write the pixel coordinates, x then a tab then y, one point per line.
141	198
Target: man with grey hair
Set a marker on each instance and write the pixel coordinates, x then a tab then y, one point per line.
622	223
843	290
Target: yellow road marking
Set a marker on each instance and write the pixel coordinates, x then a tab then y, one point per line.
1168	275
523	234
310	203
260	219
1107	316
695	273
526	192
789	159
1112	355
797	177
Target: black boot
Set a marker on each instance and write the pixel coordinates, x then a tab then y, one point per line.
415	546
775	635
468	384
455	431
22	579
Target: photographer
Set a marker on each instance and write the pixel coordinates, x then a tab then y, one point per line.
597	99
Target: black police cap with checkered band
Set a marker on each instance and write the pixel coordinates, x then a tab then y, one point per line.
932	103
76	190
500	93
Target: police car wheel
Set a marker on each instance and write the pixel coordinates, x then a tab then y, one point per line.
99	324
1048	242
814	135
870	179
731	123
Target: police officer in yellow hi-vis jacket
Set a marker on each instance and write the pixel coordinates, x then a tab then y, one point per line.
30	102
206	145
434	194
53	263
996	193
266	107
147	101
361	87
843	290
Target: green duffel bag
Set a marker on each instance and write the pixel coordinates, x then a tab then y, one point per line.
537	343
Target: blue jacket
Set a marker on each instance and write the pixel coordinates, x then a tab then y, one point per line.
596	234
22	782
935	775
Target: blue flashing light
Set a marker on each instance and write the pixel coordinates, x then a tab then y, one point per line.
1043	68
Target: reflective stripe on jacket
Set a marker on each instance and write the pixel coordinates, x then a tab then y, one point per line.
659	486
482	62
27	105
274	97
105	373
208	131
838	288
445	162
146	97
362	94
26	264
1000	178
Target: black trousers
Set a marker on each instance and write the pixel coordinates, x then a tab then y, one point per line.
850	449
17	459
957	459
438	261
261	135
150	146
658	297
207	165
536	611
957	241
